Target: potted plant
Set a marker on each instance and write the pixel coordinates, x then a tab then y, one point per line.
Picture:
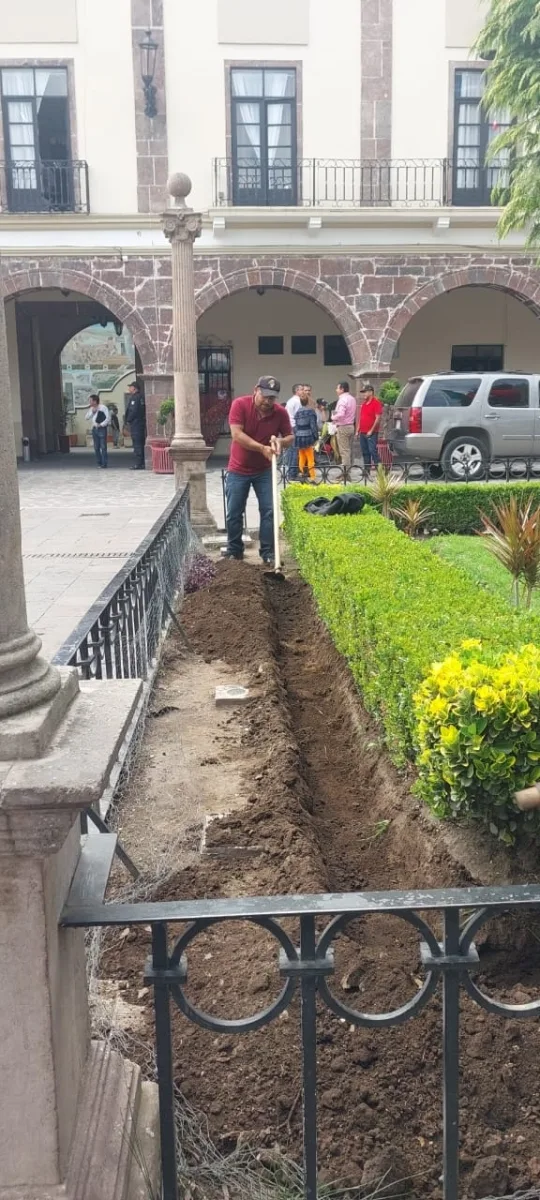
162	462
64	443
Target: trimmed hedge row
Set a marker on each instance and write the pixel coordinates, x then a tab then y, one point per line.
394	609
455	506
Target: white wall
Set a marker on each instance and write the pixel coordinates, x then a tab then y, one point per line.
196	102
469	316
421	78
104	97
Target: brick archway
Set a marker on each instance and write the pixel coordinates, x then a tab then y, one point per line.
290	281
524	287
23	281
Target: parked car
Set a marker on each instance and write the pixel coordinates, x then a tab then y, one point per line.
461	422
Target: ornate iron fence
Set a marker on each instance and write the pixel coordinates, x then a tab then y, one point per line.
336	182
44	186
119	636
496	470
306	962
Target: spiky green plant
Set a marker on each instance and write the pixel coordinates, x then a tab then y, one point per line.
413	514
513	537
383	488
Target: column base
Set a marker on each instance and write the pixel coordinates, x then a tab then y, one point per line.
26	680
27	734
115	1147
190	456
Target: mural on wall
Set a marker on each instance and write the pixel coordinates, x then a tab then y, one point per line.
94	361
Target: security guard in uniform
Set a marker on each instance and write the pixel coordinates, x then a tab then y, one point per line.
136	422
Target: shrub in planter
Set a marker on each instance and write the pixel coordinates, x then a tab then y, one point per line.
478	736
201	573
394	609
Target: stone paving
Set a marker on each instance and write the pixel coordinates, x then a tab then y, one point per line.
79	526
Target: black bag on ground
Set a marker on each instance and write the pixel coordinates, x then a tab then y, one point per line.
346	504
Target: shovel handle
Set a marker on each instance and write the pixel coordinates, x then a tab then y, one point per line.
275	506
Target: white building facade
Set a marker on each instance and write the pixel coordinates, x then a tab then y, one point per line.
338	153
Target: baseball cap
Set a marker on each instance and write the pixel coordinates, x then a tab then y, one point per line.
268	385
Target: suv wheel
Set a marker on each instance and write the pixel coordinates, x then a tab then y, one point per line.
464	458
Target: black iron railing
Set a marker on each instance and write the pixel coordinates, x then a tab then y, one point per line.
339	182
44	186
120	634
496	470
306	962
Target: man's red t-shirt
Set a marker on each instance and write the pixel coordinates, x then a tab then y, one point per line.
369	411
259	427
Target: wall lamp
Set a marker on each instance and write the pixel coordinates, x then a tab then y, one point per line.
149	49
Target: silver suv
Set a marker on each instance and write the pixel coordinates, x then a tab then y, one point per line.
461	422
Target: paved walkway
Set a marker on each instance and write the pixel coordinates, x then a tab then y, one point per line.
79	526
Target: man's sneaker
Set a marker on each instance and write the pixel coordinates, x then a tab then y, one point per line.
229	554
268	562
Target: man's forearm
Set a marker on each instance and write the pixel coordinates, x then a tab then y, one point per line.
287	441
248	443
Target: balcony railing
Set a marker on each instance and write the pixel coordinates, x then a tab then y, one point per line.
44	187
351	183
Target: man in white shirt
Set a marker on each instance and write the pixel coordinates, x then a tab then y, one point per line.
99	415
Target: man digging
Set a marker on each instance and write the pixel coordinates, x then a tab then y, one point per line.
260	429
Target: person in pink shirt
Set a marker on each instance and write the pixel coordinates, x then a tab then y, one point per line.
344	418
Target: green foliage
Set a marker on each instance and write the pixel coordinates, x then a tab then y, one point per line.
478	736
389	391
456	507
471	555
383	489
165	411
513	537
394	608
511	39
414	515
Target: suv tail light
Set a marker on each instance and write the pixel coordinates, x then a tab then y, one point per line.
415	420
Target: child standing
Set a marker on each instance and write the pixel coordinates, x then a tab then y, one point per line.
306	433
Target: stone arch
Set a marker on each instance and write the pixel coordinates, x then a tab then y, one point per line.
64	277
524	287
290	280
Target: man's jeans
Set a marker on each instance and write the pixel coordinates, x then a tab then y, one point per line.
99	436
368	446
237	492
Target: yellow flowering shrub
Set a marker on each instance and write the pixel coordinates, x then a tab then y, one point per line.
478	735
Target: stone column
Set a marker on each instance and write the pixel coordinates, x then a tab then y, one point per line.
181	225
26	679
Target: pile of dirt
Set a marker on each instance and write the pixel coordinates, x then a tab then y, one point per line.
327	812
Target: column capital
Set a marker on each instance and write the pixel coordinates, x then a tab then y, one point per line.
181	224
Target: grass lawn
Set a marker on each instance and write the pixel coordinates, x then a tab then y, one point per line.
473	556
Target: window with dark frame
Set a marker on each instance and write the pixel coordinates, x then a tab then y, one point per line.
35	110
475	174
336	351
303	343
478	358
270	345
263	123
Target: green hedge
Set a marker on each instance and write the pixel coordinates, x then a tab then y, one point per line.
455	506
394	609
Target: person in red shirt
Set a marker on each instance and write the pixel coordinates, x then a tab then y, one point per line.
369	419
260	429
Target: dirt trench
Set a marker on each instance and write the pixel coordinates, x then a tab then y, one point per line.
325	811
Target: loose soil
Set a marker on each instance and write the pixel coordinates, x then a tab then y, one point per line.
323	810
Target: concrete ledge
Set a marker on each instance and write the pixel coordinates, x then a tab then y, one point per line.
38	797
27	734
